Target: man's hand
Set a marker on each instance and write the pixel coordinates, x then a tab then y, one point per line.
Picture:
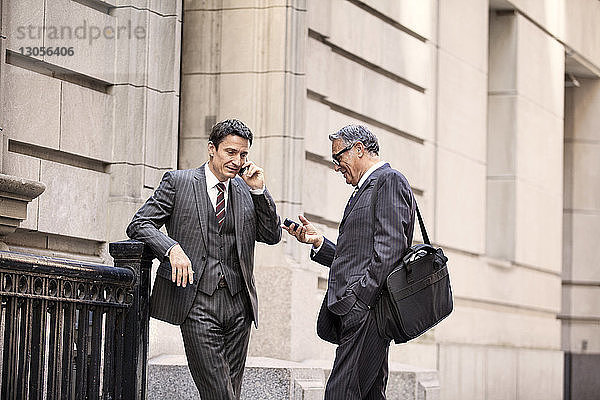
305	233
253	175
181	266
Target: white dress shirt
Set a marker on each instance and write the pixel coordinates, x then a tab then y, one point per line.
211	187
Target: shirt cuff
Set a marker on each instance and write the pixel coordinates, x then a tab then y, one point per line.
258	191
169	250
315	250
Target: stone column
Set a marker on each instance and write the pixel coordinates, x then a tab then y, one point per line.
524	200
581	275
244	60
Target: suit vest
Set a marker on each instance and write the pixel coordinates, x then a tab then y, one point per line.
222	256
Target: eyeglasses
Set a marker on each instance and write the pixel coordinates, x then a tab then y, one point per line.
336	156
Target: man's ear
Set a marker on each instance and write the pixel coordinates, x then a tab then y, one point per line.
211	149
360	149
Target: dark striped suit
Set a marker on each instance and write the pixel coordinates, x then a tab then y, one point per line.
369	246
214	323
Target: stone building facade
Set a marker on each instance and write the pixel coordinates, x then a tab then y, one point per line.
490	108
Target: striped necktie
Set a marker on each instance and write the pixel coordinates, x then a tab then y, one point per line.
220	208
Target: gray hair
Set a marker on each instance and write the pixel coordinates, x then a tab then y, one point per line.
351	134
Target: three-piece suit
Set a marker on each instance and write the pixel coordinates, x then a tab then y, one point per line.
215	311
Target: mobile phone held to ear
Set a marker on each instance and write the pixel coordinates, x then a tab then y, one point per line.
242	170
288	222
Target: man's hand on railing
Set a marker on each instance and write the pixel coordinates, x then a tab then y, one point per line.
181	266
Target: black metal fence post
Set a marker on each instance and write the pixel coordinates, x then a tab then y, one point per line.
137	257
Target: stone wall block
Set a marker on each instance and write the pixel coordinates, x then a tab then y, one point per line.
478	279
153	176
163	53
581	336
545	368
120	212
319	16
161	133
321	182
88	114
273	339
503	53
539	129
464	31
22	24
418	19
92	38
126	181
319	127
462	95
582	117
202	41
502	136
586	231
318	64
501	373
199	106
378	42
352	86
538	234
540	67
500	218
586	169
67	210
460	202
166	7
584	302
131	61
462	372
291	157
25	93
193	154
129	133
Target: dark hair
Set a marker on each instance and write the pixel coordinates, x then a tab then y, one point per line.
229	127
351	134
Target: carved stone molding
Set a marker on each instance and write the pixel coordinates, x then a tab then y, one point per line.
15	194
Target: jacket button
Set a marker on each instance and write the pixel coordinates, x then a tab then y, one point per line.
203	258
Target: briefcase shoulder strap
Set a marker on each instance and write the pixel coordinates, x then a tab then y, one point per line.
421	223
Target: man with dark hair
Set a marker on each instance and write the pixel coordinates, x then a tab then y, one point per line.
372	239
213	215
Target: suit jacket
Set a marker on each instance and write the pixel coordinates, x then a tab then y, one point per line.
181	204
370	244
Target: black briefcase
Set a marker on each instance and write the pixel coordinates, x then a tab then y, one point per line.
417	293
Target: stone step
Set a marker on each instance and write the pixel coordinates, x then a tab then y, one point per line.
272	379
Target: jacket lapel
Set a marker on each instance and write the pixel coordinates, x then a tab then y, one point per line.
201	201
360	192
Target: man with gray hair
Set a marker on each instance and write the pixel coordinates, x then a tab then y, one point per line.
375	231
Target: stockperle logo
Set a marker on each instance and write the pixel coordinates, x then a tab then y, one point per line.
83	31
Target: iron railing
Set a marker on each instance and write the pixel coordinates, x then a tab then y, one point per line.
74	330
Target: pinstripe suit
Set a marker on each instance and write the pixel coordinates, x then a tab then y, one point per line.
215	324
370	244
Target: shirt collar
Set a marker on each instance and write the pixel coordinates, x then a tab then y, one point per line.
211	179
369	172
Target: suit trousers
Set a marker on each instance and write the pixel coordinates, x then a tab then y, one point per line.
360	369
215	336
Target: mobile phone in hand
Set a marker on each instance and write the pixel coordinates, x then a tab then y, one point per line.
288	222
242	170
